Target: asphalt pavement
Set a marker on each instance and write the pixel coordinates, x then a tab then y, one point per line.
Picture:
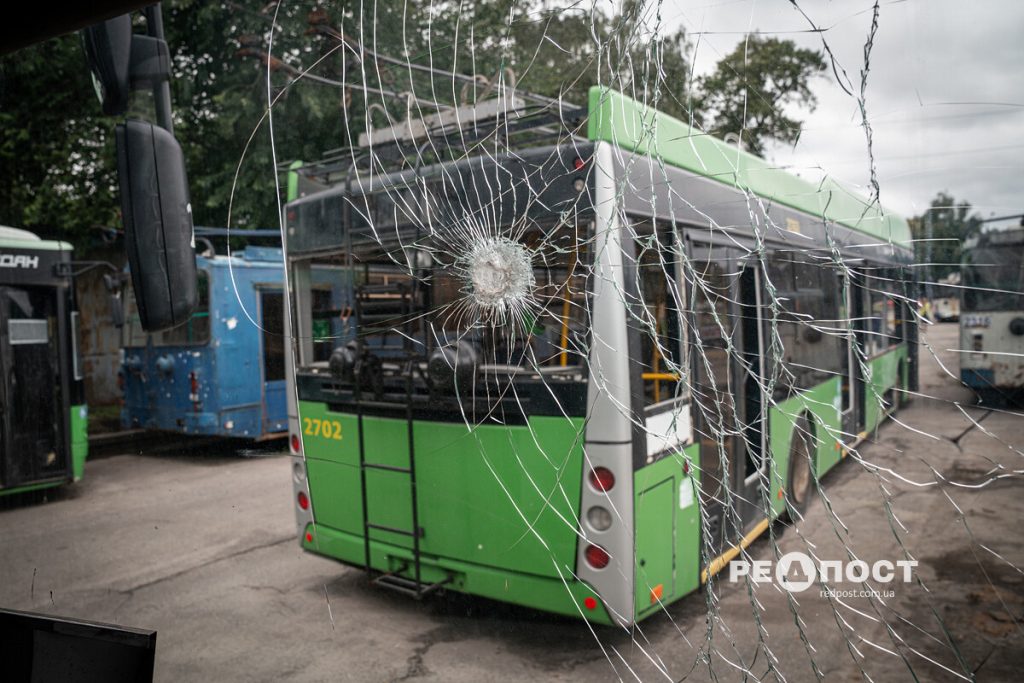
201	547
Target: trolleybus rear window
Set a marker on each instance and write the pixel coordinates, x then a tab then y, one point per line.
193	332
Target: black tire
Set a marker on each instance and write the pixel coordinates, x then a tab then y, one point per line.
800	482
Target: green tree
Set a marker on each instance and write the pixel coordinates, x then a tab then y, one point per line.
60	150
952	222
751	89
59	177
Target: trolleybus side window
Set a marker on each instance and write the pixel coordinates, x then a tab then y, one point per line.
662	353
808	310
993	278
882	302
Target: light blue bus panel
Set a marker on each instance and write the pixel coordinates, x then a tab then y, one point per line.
223	371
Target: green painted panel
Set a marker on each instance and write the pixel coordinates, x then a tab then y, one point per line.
559	594
501	496
79	440
293	181
327	435
626	123
884	375
389	503
336	492
498	496
654	514
30	487
683	554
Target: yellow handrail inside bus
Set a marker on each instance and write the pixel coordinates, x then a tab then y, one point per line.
564	360
665	376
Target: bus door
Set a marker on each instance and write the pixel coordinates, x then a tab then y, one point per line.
749	365
30	381
275	402
852	379
859	350
727	401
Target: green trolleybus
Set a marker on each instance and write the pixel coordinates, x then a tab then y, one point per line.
577	359
43	416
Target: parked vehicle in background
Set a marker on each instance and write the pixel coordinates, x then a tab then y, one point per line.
43	416
992	315
946	301
221	372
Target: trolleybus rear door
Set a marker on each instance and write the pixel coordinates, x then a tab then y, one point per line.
859	310
725	406
852	379
30	381
274	417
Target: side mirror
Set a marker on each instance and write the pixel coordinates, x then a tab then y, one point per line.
157	223
108	49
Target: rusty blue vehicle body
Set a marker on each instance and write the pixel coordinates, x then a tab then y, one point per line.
222	373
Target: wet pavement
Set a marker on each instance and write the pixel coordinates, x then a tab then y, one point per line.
201	547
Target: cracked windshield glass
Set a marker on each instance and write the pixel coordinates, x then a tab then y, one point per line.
512	340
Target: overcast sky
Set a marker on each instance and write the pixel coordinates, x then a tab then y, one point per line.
945	92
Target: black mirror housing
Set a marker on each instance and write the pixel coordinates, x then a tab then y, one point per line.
108	48
157	216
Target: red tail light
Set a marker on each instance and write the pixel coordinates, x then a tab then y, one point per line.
296	444
193	383
578	164
303	500
597	557
590	602
602	479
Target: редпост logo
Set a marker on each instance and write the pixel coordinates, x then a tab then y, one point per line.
797	571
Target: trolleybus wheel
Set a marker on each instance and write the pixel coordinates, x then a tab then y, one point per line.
801	484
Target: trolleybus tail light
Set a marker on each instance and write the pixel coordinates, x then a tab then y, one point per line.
602	479
590	602
578	164
309	534
193	388
303	500
296	444
597	557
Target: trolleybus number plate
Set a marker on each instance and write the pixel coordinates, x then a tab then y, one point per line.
328	429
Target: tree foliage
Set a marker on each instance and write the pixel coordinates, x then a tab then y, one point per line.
952	222
753	88
57	155
61	149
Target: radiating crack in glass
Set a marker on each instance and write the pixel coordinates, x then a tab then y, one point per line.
484	250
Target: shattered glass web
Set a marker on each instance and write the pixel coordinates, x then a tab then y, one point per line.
507	278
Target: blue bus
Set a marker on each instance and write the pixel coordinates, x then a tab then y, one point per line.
222	373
